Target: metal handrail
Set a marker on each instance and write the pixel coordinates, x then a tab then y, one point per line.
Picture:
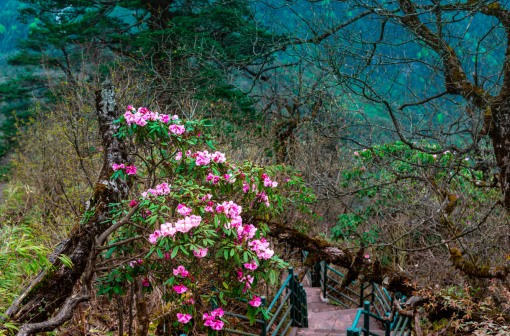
294	300
378	296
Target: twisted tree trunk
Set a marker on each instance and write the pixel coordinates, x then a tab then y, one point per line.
52	287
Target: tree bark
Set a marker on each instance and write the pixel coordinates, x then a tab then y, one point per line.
142	315
52	287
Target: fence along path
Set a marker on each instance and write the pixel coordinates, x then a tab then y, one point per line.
307	309
328	319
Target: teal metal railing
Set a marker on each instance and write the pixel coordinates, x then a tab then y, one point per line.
287	309
354	296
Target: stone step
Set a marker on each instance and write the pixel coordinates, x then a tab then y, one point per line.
326	319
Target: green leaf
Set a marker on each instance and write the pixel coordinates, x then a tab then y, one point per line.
169	281
160	254
66	260
174	252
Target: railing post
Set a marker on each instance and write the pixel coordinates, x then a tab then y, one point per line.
263	330
366	318
355	332
292	301
373	294
349	331
325	280
387	326
361	294
305	308
298	304
317	274
302	304
295	294
214	305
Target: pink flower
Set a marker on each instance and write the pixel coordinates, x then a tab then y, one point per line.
100	149
362	168
180	289
251	266
274	184
218	157
131	170
200	253
367	256
217	312
267	182
183	210
287	180
115	167
178	156
168	230
203	158
246	187
183	318
356	153
164	118
163	189
145	282
176	129
256	301
181	271
133	203
217	325
153	238
141	122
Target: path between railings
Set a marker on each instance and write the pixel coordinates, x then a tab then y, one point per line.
328	319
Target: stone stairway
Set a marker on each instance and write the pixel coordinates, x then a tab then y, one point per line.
327	319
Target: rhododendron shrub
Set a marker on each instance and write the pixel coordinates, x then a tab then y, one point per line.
200	213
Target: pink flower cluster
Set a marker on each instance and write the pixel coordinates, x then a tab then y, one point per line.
205	198
180	270
161	189
256	301
231	209
213	320
200	253
134	262
169	229
251	266
143	115
176	129
268	182
130	170
178	156
204	158
180	289
183	210
247	280
261	247
213	179
263	198
183	318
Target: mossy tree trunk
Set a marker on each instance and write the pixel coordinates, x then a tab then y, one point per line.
51	288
